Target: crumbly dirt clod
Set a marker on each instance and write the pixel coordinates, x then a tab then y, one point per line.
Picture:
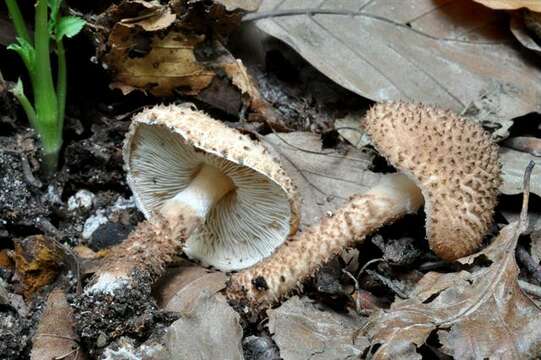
20	202
13	335
129	310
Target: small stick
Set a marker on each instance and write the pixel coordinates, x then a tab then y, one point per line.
368	263
358	298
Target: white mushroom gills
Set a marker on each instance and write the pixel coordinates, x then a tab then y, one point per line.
204	191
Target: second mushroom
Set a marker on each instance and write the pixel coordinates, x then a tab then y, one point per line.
447	162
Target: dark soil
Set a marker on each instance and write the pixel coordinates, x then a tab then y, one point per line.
128	311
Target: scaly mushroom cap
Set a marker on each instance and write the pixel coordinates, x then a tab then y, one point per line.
454	163
165	148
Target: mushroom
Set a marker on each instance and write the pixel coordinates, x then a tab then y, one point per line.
182	165
199	181
447	161
202	186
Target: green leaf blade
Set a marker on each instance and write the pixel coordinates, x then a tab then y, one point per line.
26	51
69	26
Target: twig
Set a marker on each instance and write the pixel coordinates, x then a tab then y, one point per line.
68	354
59	336
523	224
149	15
358	298
368	263
27	171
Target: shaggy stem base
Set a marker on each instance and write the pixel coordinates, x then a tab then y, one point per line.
118	300
274	278
149	248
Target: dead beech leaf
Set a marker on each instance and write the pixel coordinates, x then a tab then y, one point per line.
350	129
169	64
37	263
534	5
479	314
246	5
513	165
55	337
160	17
210	330
303	332
527	144
522	33
455	54
326	178
181	288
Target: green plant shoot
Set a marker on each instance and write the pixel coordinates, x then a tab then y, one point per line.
46	114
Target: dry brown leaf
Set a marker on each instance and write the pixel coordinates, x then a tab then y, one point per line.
513	165
181	288
350	129
479	314
246	5
160	18
55	337
456	54
152	47
325	178
207	326
6	262
522	33
527	144
303	332
210	330
169	64
534	5
37	263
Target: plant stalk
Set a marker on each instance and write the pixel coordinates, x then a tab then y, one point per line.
27	107
45	99
61	82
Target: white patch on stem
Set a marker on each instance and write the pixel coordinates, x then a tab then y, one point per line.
107	283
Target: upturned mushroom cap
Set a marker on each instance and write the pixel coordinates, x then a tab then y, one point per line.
165	148
454	163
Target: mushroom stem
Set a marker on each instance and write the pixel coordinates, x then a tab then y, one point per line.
205	190
267	282
149	248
